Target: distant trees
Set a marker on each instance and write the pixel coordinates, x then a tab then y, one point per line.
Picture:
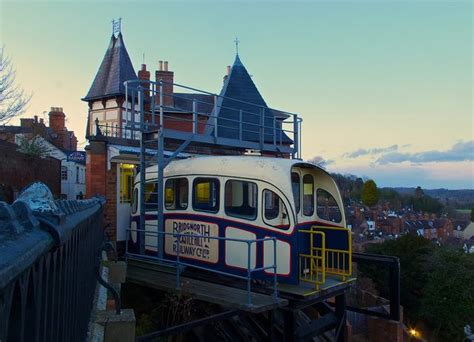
33	147
13	100
436	284
370	195
472	215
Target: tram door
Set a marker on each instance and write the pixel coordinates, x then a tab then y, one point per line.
125	174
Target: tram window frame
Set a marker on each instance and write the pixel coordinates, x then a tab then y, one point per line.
244	198
135	201
318	191
307	213
296	192
151	205
215	207
177	202
284	207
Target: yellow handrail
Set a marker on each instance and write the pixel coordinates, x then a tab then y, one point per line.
317	260
320	261
339	261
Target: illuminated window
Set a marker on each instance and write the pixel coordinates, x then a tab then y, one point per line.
126	182
275	213
308	195
206	194
296	187
327	207
241	199
176	194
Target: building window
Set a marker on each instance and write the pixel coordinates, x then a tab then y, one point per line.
63	173
274	211
206	194
308	195
126	182
241	199
296	187
327	207
176	194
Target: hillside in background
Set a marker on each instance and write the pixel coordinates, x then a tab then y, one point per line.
458	198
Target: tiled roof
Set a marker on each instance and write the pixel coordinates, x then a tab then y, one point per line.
239	86
116	68
184	102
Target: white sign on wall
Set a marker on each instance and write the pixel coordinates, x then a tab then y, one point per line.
195	242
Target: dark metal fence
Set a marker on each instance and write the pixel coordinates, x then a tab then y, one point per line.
47	270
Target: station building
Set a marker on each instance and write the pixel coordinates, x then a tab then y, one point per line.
113	150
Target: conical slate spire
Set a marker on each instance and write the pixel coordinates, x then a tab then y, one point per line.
240	96
116	68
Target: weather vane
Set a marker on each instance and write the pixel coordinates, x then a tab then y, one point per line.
116	26
236	41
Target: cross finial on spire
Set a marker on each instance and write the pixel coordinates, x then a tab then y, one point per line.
116	26
236	41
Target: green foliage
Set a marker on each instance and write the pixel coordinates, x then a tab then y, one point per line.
424	204
414	252
437	284
472	215
33	147
370	194
447	304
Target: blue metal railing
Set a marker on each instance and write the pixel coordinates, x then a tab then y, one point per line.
179	264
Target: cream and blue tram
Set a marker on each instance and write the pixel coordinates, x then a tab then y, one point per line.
245	197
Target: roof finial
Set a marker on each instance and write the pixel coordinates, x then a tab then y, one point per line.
116	26
236	41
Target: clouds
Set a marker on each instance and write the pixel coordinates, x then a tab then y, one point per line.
371	151
462	151
320	161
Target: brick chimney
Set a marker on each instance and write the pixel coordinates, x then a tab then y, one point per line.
57	119
167	76
27	122
144	75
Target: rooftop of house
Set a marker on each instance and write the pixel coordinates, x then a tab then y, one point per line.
115	69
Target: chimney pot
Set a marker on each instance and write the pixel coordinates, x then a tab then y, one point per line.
143	67
160	65
36	118
166	65
228	70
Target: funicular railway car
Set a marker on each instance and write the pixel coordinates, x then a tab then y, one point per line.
248	198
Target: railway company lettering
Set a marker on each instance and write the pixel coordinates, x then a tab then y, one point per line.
194	241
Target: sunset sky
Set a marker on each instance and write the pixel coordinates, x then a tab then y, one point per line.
384	87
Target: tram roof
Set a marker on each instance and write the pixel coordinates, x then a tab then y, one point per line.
269	169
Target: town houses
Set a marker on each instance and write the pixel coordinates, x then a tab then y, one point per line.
35	138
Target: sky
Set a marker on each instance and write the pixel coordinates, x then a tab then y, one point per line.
384	87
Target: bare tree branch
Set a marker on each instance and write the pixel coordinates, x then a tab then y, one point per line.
13	100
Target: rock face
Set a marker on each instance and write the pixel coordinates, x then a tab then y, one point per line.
39	198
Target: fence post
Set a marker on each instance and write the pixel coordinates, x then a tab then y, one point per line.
249	274
195	117
295	136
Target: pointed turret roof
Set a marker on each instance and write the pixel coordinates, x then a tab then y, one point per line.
116	68
240	93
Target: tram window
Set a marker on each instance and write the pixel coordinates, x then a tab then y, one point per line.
176	194
295	185
241	199
135	201
327	207
206	194
275	213
308	195
151	196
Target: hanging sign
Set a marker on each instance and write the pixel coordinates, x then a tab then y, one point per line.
77	156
